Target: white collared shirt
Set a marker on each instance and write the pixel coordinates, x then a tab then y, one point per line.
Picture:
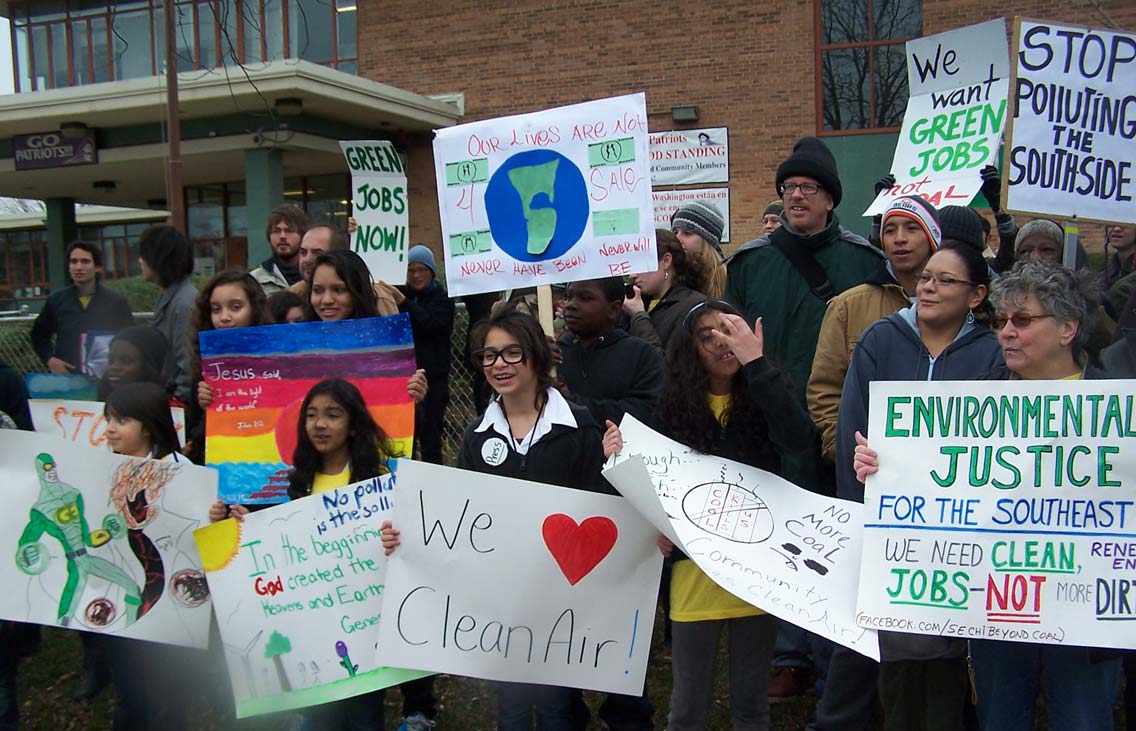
555	411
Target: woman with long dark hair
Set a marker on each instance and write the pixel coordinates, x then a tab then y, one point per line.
722	396
529	431
341	289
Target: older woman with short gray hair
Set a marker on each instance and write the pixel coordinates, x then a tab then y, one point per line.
1043	315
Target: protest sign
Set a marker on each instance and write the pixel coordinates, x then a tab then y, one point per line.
788	551
1069	148
260	376
103	542
958	83
1002	510
510	580
298	593
553	196
70	386
379	205
666	202
686	156
83	422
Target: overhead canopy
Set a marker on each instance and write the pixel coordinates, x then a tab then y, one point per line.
223	112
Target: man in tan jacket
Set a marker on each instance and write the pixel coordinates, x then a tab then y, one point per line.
323	238
909	234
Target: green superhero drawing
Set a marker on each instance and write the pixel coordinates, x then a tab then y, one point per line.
58	512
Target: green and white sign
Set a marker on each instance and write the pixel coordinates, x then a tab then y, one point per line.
379	205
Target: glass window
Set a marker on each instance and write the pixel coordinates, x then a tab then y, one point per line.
207	36
862	64
39	56
131	33
59	55
309	30
272	25
327	199
99	44
345	32
24	82
80	51
253	37
183	36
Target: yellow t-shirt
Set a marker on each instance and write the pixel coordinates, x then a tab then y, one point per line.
84	300
694	595
1074	377
323	483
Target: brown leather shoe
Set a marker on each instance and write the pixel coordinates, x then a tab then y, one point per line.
786	683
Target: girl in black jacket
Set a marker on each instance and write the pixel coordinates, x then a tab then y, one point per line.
531	432
721	396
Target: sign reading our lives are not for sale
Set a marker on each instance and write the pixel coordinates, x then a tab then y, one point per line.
554	196
1002	510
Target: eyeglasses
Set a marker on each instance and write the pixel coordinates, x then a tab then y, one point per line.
806	189
942	280
486	357
1021	320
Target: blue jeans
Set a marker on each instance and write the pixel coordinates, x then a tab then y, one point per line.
1079	693
516	701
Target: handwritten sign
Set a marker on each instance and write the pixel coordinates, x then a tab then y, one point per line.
958	83
1070	150
553	196
668	201
685	156
83	421
260	376
510	580
379	205
1002	510
788	551
103	542
298	592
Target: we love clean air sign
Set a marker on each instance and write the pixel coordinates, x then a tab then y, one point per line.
510	580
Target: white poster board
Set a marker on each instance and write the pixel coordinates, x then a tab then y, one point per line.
102	542
788	551
1002	510
958	83
1070	149
687	156
668	201
509	580
552	196
379	205
83	422
298	592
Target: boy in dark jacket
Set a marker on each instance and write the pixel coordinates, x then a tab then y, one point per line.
604	369
432	321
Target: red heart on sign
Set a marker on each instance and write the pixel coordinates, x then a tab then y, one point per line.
578	548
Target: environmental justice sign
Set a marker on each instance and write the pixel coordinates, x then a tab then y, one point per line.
955	115
260	376
379	206
504	579
554	196
687	156
103	542
1070	149
667	202
298	592
788	551
1002	510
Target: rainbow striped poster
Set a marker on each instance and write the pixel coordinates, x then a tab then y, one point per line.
260	376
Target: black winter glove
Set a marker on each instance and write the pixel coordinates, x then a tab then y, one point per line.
884	183
992	187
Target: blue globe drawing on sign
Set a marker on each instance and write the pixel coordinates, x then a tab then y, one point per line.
537	204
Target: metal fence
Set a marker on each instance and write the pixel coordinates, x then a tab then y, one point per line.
16	350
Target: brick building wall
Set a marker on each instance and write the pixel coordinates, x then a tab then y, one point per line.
746	66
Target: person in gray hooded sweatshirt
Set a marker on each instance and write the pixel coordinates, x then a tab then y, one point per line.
936	339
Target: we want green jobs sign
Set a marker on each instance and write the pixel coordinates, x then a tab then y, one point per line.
1002	510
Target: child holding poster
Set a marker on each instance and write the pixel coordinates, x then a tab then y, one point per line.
531	432
228	300
146	675
339	443
721	396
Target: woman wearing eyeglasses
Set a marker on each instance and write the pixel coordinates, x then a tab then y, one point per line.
530	432
921	677
1044	316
